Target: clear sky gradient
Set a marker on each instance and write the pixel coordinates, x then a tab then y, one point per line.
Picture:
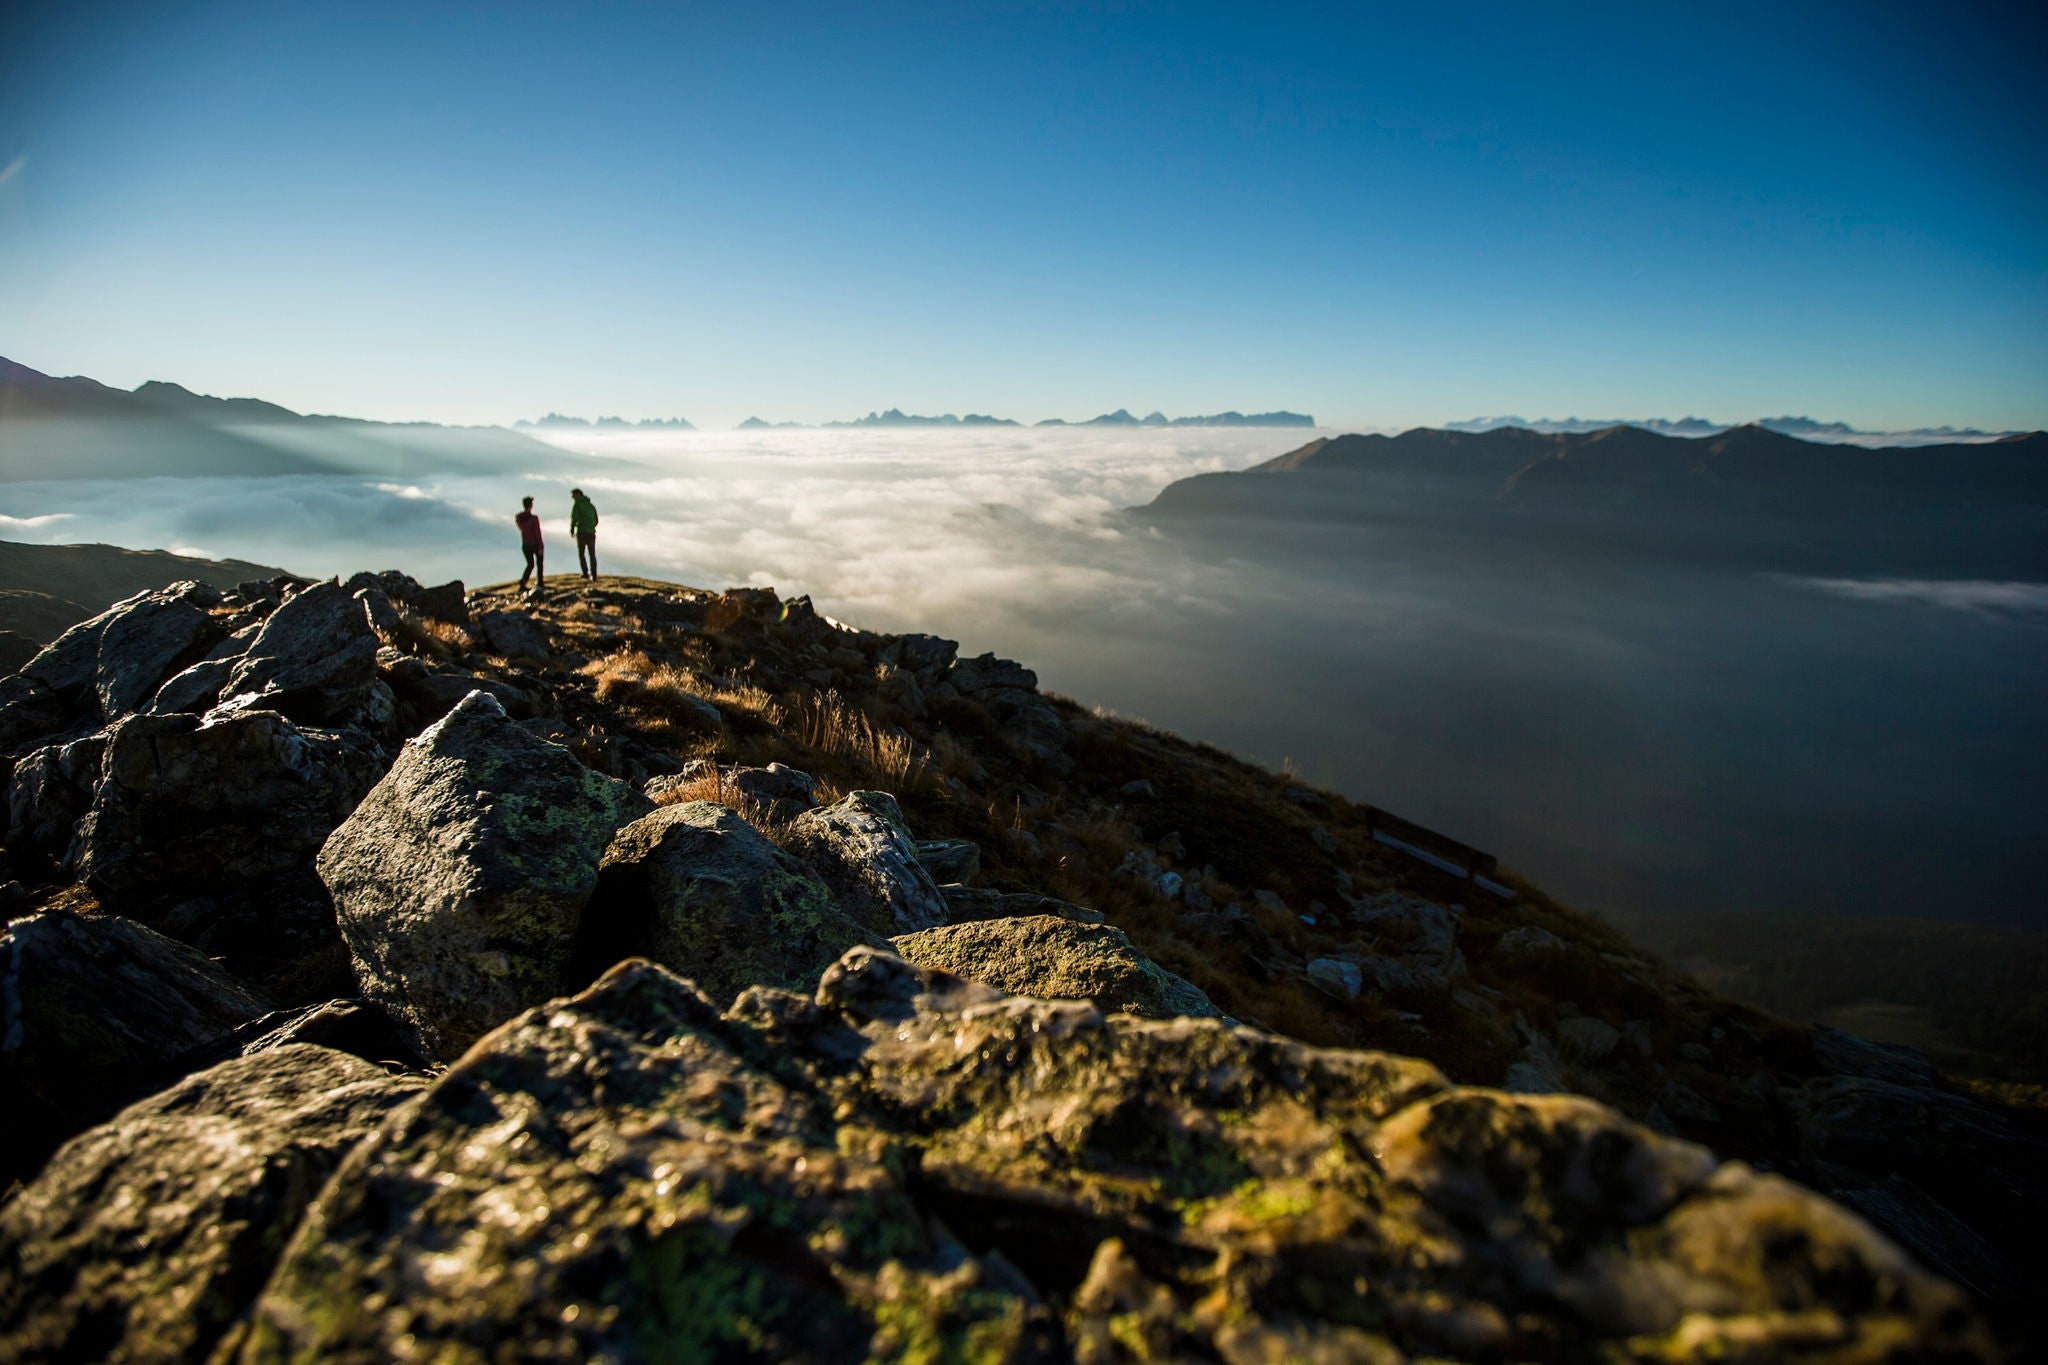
1385	215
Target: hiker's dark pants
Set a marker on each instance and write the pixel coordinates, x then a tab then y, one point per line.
534	567
586	553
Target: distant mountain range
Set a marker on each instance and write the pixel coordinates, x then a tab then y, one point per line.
78	428
1804	427
1122	418
895	417
1747	495
561	421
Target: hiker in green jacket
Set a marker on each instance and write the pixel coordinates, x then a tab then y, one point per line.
583	526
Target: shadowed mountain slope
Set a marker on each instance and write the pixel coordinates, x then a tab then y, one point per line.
78	428
1748	495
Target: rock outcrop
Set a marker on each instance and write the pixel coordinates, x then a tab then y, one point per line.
966	903
206	828
905	1166
94	1012
315	659
514	634
1054	958
863	850
107	666
146	1239
460	880
698	889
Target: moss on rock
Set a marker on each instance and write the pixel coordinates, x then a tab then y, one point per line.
1056	958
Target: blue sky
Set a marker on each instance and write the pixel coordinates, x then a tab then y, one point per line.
1383	215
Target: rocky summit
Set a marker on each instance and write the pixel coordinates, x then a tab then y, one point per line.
644	973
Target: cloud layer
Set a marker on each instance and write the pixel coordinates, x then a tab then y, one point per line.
898	530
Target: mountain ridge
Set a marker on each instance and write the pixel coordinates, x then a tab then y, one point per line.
79	428
1746	494
1805	427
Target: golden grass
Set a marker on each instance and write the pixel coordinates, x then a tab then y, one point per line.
827	724
435	639
713	785
630	678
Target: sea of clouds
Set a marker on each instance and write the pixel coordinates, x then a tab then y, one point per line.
893	530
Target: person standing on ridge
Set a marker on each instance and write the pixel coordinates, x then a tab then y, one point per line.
529	541
583	526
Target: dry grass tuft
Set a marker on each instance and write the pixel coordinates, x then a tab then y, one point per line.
631	679
885	758
712	784
434	639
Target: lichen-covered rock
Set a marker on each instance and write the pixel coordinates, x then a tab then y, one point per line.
460	880
910	1166
862	848
704	893
93	1012
614	1177
207	828
146	1238
1057	959
965	903
315	659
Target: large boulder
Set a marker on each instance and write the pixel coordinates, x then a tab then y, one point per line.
909	1166
701	891
146	1239
207	829
460	880
862	848
315	659
1057	959
95	1011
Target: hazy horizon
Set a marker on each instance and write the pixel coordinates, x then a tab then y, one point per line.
1648	738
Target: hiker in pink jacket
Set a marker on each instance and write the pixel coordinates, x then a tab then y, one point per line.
529	541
